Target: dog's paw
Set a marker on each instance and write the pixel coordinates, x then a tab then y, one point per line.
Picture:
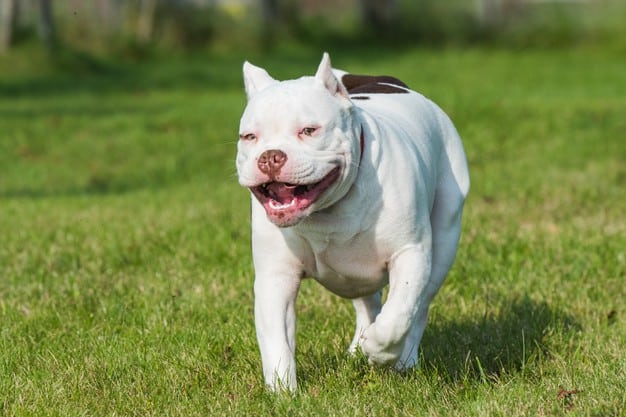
287	384
378	349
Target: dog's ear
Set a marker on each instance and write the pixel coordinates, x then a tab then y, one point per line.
325	76
255	79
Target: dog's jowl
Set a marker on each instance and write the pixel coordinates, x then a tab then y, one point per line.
358	182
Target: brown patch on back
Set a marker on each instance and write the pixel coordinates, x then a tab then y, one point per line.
370	84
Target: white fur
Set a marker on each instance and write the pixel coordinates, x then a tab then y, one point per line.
393	217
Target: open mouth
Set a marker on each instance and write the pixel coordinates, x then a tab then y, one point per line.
285	202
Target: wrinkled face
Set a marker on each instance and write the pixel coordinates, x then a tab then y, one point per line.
297	151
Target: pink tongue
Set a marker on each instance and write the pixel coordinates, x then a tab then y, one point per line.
281	191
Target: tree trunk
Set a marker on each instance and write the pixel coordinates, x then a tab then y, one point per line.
8	12
145	25
378	15
270	12
489	12
46	24
272	20
108	12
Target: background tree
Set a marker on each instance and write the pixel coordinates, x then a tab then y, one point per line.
8	14
47	29
145	22
378	15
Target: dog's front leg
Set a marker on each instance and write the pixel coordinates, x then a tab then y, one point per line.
409	274
275	319
366	309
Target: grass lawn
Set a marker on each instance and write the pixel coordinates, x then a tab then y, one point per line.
125	268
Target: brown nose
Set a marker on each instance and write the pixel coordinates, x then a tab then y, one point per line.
270	162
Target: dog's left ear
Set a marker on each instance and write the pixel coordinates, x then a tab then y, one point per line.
255	79
325	76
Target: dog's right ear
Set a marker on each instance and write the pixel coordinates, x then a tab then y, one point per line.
255	79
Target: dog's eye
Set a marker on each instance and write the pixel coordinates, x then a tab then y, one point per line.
308	131
248	136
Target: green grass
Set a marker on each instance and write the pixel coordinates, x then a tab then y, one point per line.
125	268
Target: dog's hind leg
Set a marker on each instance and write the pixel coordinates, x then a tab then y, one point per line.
446	229
366	309
409	357
445	222
445	215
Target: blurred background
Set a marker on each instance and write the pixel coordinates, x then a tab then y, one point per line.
111	95
136	66
133	28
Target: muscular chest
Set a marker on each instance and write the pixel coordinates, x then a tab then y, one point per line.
350	268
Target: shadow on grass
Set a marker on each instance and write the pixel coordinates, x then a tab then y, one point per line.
470	348
74	71
485	348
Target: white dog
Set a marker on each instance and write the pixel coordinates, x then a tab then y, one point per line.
358	182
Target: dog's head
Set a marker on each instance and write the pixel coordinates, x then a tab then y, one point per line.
298	149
